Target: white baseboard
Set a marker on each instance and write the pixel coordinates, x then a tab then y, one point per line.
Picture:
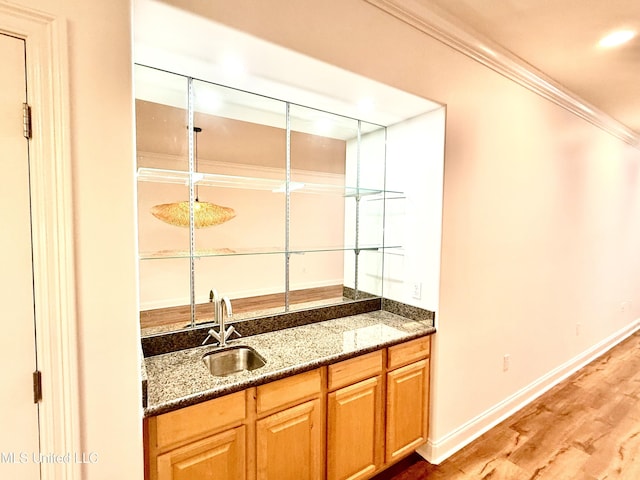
436	451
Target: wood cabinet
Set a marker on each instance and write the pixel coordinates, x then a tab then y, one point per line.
355	418
379	403
221	456
407	415
407	406
289	444
347	421
289	433
199	442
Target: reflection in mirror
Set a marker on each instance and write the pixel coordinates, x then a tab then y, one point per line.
307	188
316	219
162	143
243	137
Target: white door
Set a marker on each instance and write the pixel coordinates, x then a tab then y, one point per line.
19	451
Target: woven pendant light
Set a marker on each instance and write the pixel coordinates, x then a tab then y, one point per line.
205	214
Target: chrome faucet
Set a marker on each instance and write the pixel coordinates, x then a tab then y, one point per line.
227	307
215	299
223	333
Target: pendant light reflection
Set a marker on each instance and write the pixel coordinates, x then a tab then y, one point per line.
205	214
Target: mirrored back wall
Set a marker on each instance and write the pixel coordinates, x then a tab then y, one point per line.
293	199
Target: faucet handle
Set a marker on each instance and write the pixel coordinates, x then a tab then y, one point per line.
230	331
212	334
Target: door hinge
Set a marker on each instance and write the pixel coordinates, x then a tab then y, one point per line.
26	121
37	386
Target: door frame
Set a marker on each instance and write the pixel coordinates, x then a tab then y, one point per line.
47	71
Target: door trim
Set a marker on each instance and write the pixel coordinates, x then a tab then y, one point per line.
51	195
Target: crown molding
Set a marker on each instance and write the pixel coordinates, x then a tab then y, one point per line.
438	24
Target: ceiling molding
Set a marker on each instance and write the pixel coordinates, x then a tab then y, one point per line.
440	25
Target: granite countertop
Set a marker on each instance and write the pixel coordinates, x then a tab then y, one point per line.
179	379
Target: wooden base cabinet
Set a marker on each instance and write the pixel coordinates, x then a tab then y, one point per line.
290	428
377	409
347	421
355	419
220	457
407	413
407	408
207	441
354	430
289	444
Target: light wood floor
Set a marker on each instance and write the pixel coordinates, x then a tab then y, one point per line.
586	428
181	315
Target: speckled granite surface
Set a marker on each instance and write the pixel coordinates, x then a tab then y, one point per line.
180	379
143	379
192	337
404	310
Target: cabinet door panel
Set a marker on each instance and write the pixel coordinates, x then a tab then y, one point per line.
354	426
407	412
289	444
220	457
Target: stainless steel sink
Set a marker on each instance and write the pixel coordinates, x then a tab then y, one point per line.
233	360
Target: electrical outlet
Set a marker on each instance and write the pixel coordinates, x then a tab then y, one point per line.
506	362
417	290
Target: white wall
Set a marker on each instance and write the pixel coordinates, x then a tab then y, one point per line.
540	212
101	139
415	166
540	221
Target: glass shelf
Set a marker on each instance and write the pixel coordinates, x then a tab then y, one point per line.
252	183
295	246
226	252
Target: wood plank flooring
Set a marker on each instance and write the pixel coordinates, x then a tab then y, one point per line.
586	428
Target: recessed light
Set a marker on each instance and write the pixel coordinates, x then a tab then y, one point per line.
617	38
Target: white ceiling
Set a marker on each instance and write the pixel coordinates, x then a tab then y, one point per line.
560	38
177	41
557	37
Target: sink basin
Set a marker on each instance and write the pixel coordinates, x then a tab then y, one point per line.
233	360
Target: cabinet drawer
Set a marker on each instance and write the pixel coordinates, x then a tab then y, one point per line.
189	423
287	391
408	352
220	456
355	369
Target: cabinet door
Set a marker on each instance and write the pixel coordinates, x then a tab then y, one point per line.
354	427
407	409
289	444
219	457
